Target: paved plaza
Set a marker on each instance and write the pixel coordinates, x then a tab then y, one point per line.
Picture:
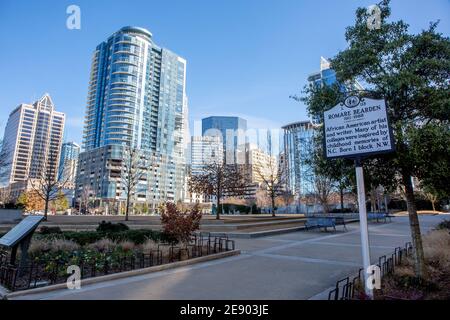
298	265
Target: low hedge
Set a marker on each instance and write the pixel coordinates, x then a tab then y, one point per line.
444	225
87	237
112	227
49	230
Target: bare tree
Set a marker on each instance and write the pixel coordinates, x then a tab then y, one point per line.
287	197
46	184
262	200
323	187
273	179
322	179
219	180
133	170
85	198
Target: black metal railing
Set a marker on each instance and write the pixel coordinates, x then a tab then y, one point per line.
347	288
42	272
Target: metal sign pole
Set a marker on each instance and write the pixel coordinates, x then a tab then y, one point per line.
363	224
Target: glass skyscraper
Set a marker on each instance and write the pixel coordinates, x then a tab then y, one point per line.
70	152
298	142
299	136
232	132
136	99
327	77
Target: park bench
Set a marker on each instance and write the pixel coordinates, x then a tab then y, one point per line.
378	216
325	223
341	221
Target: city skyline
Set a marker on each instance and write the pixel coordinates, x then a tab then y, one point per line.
204	151
214	62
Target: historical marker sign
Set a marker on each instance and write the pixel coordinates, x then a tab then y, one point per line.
20	231
357	127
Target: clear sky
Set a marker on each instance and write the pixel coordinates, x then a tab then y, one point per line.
245	57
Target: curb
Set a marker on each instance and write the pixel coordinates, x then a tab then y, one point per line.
5	294
259	234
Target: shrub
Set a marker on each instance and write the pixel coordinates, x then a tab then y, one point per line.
89	237
149	245
229	207
50	230
255	209
437	247
62	245
83	237
338	210
103	245
180	225
137	236
109	227
444	225
127	246
37	247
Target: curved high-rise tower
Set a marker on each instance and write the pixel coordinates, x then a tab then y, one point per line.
136	99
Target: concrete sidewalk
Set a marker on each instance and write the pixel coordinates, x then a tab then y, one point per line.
298	265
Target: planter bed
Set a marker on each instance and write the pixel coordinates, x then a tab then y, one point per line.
50	267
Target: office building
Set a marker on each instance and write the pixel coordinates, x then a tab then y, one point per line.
232	132
32	141
205	150
260	165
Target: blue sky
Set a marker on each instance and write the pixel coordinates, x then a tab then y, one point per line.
245	57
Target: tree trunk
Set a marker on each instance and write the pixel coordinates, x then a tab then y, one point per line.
432	204
127	208
373	206
47	200
342	199
325	208
273	205
218	206
419	260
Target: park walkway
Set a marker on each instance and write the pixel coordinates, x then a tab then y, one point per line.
298	265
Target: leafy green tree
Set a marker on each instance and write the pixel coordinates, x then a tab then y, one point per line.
60	203
22	200
411	72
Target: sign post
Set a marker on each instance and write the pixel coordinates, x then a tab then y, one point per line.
355	129
363	222
21	235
